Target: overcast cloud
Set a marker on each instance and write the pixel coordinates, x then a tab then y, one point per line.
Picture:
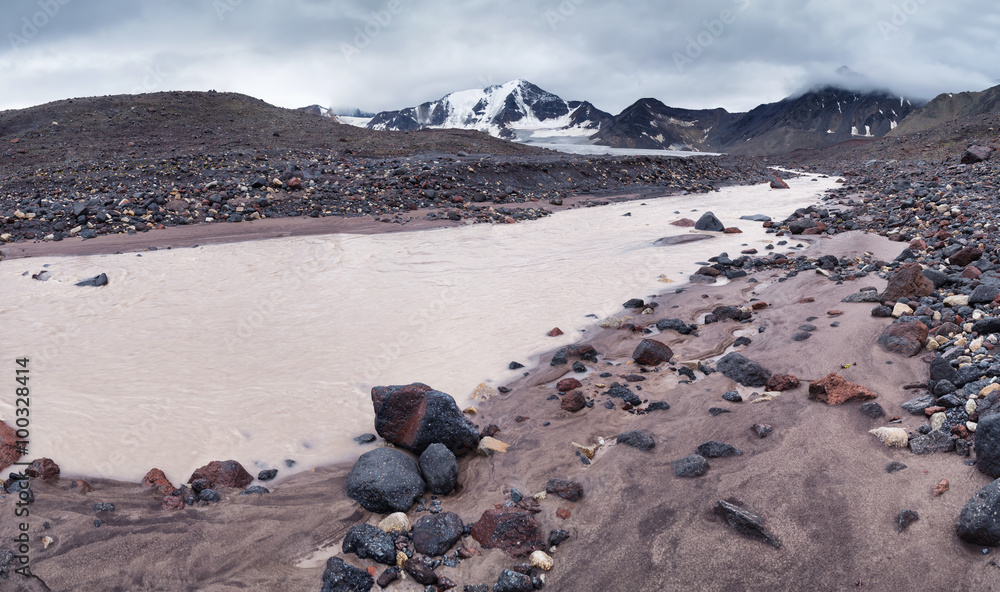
389	54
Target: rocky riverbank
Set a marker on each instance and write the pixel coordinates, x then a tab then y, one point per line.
816	421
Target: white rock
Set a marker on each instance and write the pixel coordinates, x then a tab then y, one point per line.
541	560
971	406
937	420
976	344
397	522
892	437
971	426
957	300
901	309
977	314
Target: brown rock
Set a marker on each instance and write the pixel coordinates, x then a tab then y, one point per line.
156	479
176	205
907	282
584	352
650	353
555	332
904	338
421	569
781	382
834	390
227	473
573	402
9	451
918	244
567	384
563	513
732	230
941	487
512	530
564	488
43	469
835	313
759	305
971	272
966	256
778	183
960	431
172	502
294	183
82	485
929	411
683	223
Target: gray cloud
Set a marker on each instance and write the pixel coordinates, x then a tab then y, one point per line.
384	54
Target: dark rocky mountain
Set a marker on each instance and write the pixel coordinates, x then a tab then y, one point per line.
649	124
501	110
950	107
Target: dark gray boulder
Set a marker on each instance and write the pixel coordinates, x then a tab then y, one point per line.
941	369
744	521
709	222
385	480
435	534
988	446
637	439
742	370
370	542
979	522
984	294
341	577
715	449
690	466
414	416
95	282
987	326
439	468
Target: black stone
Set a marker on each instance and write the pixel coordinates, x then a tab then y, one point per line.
905	519
979	522
935	441
267	474
746	523
557	537
341	577
894	467
255	489
370	542
636	439
988	446
208	495
385	480
733	397
872	410
439	468
713	449
95	282
365	438
658	406
709	222
690	466
435	534
717	411
511	581
742	370
104	507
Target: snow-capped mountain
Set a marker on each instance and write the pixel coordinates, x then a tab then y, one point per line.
511	110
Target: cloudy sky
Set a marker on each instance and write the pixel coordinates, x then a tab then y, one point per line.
388	54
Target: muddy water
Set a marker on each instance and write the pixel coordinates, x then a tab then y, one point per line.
265	351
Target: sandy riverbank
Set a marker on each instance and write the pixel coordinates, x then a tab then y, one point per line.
818	480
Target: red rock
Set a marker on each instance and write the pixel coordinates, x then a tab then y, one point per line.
781	382
295	183
227	473
467	552
778	183
9	452
918	244
172	502
908	282
684	223
941	487
904	338
961	431
43	469
807	300
371	570
563	513
573	402
564	488
156	479
929	411
732	230
555	332
584	352
650	352
759	305
834	390
748	252
971	272
82	485
512	530
567	384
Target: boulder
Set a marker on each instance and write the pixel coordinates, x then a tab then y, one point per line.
512	581
979	522
95	282
341	577
781	382
987	325
966	256
226	473
745	522
907	338
834	390
435	534
713	449
564	488
988	446
439	468
742	370
651	353
907	282
567	384
157	480
636	439
801	225
370	542
512	530
935	441
709	222
573	402
415	416
694	465
421	569
941	369
385	480
778	183
976	154
44	469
